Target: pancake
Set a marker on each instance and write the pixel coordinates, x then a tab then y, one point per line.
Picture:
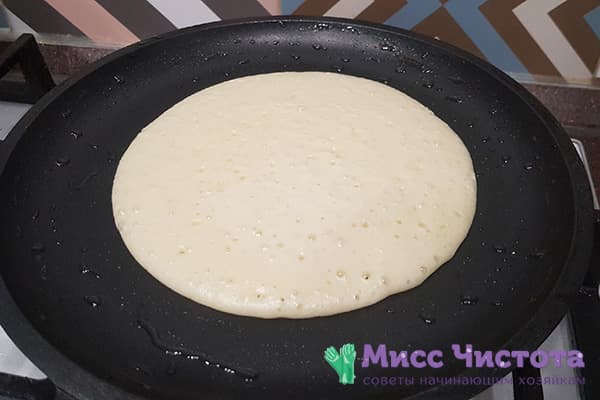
294	194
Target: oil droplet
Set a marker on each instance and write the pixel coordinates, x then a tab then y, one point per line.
345	60
505	159
318	47
93	301
119	79
528	166
62	161
76	135
340	274
428	85
366	276
88	271
485	139
386	47
499	249
322	26
295	57
427	319
455	99
469	300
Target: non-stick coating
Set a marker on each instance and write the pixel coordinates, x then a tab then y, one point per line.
71	276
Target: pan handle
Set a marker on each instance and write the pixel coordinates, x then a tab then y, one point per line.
14	387
38	81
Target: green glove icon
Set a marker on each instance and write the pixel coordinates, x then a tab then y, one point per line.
342	362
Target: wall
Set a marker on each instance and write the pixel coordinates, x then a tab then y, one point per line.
532	39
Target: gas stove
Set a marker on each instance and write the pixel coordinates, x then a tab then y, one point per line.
13	362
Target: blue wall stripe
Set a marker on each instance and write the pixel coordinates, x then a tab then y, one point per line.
492	46
413	12
593	20
3	22
289	6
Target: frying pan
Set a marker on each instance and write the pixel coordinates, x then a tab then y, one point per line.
77	303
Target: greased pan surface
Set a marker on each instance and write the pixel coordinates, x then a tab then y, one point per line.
100	326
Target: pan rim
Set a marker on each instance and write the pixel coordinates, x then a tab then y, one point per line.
77	381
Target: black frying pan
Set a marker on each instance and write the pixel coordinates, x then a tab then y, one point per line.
84	311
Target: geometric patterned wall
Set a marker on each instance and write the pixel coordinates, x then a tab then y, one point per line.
539	37
531	38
